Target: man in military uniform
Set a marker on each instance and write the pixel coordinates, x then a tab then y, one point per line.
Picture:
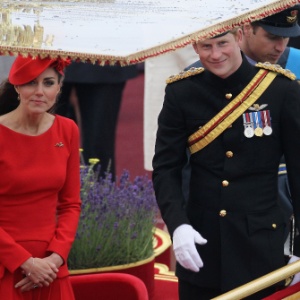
266	41
231	229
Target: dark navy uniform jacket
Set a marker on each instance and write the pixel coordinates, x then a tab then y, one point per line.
290	59
233	188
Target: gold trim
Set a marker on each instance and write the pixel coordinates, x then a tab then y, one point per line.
227	120
164	269
164	273
276	68
185	74
166	241
141	56
166	278
261	283
112	268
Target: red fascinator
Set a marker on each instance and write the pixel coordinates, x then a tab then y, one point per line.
25	69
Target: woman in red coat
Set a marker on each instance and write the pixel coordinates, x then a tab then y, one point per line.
40	184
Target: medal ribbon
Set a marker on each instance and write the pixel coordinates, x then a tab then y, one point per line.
251	119
218	124
258	121
264	118
246	119
267	118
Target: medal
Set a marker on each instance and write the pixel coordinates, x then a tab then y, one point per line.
267	122
249	132
258	131
267	130
248	125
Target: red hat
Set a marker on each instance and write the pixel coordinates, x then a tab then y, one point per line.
25	69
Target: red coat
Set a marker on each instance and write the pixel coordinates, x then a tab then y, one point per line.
39	194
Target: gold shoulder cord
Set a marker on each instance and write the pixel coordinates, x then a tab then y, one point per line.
276	68
185	74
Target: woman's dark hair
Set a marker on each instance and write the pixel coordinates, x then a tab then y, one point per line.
9	97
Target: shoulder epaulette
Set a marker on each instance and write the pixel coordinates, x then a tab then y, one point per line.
185	74
276	68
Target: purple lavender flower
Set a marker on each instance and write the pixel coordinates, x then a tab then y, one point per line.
116	222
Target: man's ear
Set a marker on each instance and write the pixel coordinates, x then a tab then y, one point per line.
247	29
239	35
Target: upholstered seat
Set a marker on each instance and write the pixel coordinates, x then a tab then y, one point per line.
108	286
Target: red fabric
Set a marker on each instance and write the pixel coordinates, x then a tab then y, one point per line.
129	133
108	286
285	292
61	288
161	256
166	283
164	258
145	272
39	195
166	289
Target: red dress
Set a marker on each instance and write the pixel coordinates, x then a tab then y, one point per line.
39	204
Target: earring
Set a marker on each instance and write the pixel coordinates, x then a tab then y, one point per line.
18	97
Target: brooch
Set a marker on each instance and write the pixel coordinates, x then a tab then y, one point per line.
60	144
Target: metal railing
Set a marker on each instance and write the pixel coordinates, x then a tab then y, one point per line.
261	282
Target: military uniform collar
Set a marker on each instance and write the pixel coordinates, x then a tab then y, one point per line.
242	76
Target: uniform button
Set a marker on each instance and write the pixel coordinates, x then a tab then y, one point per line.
229	154
274	226
225	183
228	96
222	213
230	126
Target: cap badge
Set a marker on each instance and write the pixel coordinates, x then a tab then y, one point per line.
293	17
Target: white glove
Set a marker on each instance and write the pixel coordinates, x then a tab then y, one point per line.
296	278
184	239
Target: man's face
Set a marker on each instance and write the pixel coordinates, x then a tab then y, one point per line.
262	46
221	55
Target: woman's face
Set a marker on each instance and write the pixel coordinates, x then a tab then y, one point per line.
39	95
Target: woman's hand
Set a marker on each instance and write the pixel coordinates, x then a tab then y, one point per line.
39	272
55	259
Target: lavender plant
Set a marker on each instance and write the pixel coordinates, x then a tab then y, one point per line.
116	222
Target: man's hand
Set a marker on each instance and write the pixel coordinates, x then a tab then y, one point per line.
184	239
